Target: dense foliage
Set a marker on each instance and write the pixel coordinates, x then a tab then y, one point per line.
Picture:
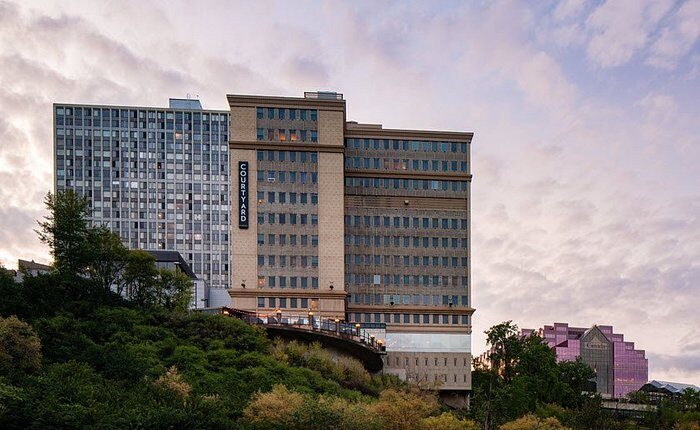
102	363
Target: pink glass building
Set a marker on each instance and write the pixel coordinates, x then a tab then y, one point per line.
620	368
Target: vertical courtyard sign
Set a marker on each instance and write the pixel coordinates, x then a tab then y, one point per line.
243	194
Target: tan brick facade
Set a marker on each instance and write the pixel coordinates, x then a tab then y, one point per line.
331	126
243	124
389	227
330	221
441	370
245	143
243	241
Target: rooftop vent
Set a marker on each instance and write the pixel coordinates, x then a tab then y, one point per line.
323	95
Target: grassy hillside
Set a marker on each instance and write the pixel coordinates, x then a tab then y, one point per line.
97	362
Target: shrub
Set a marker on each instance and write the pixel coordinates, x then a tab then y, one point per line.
20	347
173	381
274	408
402	409
447	421
531	422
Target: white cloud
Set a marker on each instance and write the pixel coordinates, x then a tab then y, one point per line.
659	107
677	38
568	8
621	28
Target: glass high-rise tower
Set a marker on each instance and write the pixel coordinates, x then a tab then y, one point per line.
159	177
619	367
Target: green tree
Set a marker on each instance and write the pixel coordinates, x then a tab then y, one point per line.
536	371
65	230
20	347
146	285
5	275
173	290
690	400
575	377
108	257
8	395
496	397
140	277
10	292
506	347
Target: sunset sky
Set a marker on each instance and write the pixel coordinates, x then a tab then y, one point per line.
586	114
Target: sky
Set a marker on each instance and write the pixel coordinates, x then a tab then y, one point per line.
586	154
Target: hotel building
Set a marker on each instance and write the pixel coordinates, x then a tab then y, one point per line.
356	222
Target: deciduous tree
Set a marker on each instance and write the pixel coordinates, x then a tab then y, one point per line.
140	277
173	290
108	257
65	230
